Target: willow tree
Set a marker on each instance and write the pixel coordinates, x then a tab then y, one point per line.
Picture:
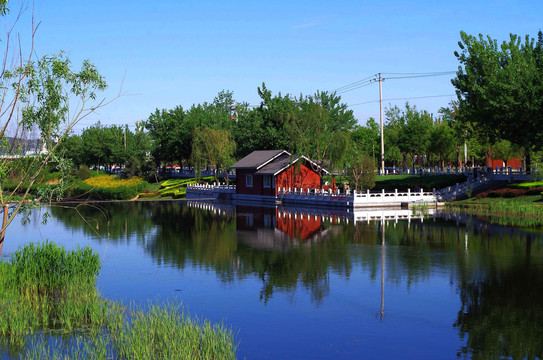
319	128
212	147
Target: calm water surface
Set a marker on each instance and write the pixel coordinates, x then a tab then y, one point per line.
309	284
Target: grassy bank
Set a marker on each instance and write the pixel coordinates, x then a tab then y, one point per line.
427	182
51	309
524	210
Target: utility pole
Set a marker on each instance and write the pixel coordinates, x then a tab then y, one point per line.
380	79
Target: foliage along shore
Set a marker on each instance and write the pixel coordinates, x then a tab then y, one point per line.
515	204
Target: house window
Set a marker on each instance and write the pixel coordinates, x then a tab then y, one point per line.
268	221
249	180
249	220
267	181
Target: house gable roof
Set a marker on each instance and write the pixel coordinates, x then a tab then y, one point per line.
258	159
282	163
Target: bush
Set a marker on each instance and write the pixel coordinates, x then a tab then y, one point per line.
83	173
149	194
108	188
534	191
527	185
502	193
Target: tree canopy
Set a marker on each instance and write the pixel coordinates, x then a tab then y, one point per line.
500	88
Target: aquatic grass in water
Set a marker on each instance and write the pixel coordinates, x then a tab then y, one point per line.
160	332
504	212
166	332
50	308
47	267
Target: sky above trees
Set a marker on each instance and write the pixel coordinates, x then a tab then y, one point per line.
173	53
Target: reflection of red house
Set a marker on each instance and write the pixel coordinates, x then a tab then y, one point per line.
300	226
273	228
263	172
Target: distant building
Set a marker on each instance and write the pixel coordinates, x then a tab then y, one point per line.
499	163
263	172
21	147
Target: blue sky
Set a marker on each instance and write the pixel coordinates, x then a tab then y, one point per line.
184	52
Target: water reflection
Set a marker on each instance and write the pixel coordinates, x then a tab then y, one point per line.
497	271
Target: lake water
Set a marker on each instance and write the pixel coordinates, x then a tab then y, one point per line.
311	284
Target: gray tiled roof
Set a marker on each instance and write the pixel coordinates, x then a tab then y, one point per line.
259	158
277	164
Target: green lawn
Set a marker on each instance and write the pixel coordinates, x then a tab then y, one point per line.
427	182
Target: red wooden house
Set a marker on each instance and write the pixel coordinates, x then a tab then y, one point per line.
263	172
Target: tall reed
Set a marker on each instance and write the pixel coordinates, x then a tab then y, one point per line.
50	309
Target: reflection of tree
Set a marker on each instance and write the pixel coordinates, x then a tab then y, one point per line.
113	221
195	235
502	316
178	235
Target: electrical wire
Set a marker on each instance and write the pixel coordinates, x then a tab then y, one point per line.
405	98
341	88
371	79
423	73
355	88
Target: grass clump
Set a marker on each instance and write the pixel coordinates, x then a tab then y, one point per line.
166	332
47	289
50	308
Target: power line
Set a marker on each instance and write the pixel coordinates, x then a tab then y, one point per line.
341	88
423	73
419	76
405	98
367	83
371	79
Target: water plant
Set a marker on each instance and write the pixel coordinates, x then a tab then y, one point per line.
50	308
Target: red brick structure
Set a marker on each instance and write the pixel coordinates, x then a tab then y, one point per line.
263	172
499	163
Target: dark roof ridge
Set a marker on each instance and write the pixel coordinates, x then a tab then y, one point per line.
258	158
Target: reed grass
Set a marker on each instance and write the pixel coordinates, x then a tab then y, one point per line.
50	309
515	211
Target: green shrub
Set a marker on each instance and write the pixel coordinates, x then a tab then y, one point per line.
527	185
149	194
81	189
83	173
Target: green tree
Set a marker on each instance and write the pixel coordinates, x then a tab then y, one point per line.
367	138
319	128
408	132
170	135
361	170
213	147
442	143
72	147
49	95
500	88
505	150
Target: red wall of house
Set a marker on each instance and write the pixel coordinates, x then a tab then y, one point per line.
258	184
241	187
299	176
